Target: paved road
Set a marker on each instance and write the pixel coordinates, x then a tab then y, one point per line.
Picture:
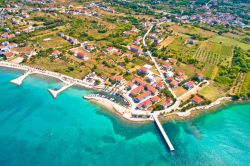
177	102
156	64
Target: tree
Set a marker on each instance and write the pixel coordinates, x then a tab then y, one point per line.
97	82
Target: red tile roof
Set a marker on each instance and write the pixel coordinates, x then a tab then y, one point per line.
81	54
146	103
197	99
170	79
137	90
172	60
119	52
110	49
56	52
189	83
178	73
199	75
155	99
8	54
130	84
140	81
166	102
167	64
159	84
151	88
174	83
116	78
143	95
135	47
143	68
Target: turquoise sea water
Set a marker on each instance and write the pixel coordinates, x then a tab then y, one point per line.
36	130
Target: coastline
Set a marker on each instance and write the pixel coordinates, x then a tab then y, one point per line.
50	74
201	112
110	109
131	116
118	110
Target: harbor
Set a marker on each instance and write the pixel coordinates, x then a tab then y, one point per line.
72	122
123	109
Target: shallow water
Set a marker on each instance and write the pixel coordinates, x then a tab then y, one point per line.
37	130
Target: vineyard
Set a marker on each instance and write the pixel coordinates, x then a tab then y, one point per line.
210	71
237	84
212	53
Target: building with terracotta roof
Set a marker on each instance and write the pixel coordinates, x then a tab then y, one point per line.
145	104
151	89
197	100
199	76
118	53
116	79
8	54
172	60
90	48
159	85
81	55
111	49
173	83
169	79
129	85
136	91
155	99
134	29
56	53
135	49
167	102
167	66
142	70
179	78
188	85
178	73
142	96
139	81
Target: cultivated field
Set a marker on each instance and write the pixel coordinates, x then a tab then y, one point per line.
213	53
210	71
238	84
54	42
190	30
167	41
229	42
245	88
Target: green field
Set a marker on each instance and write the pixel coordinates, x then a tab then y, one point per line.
179	49
208	70
229	42
212	91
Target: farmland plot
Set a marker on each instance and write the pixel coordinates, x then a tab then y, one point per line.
213	53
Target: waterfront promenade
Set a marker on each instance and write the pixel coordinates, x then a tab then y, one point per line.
126	112
55	93
18	81
65	79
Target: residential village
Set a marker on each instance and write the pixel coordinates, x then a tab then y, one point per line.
123	63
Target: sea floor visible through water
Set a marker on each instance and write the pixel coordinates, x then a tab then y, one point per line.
37	130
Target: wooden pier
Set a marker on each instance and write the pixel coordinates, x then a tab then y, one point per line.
171	147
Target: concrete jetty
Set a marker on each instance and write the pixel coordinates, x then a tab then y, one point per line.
18	81
55	93
171	147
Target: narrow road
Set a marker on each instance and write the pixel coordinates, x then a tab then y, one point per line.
155	63
177	102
